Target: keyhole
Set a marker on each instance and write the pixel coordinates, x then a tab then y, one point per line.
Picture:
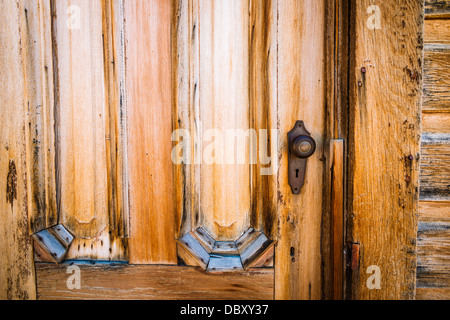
296	173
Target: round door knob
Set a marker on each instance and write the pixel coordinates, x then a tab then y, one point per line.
303	147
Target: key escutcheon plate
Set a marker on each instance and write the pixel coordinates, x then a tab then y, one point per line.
301	147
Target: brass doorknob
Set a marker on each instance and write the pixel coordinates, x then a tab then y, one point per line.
303	146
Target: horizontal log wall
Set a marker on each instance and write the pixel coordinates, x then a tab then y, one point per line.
433	239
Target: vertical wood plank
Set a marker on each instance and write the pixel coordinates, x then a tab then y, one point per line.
85	103
224	104
38	64
152	216
337	218
17	280
116	116
263	113
336	60
224	55
186	113
301	96
385	100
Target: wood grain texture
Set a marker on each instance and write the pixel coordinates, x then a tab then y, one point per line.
85	105
434	210
185	114
301	96
432	293
385	100
154	283
436	122
224	104
433	249
40	103
116	116
225	79
337	53
17	280
434	167
437	31
436	80
263	88
148	75
337	165
437	9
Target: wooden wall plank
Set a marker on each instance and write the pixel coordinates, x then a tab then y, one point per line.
437	9
154	283
385	100
263	113
83	119
436	80
433	254
152	215
437	31
432	293
434	210
337	53
17	280
436	122
434	167
301	96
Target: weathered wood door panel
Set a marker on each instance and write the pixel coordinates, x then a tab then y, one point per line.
223	89
227	82
255	67
89	128
301	81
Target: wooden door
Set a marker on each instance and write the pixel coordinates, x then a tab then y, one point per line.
203	73
116	119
